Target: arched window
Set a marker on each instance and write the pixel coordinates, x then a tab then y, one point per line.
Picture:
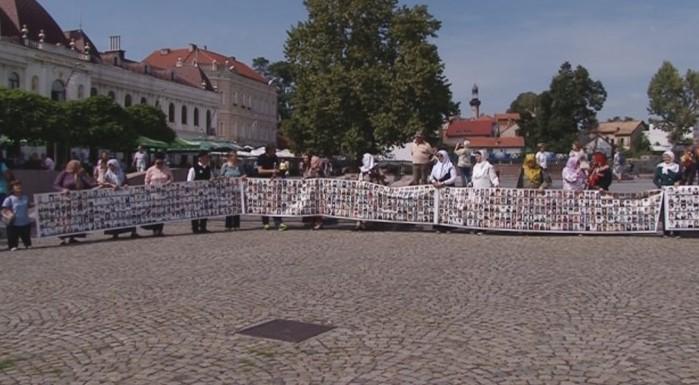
94	92
81	91
13	80
144	101
171	113
128	101
184	115
58	91
208	123
196	117
35	84
112	95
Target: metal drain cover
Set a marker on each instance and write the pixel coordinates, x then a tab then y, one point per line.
285	330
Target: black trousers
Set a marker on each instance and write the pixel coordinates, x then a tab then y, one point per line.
233	222
199	225
155	228
14	233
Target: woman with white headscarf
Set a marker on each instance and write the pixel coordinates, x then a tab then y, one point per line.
443	172
574	178
368	171
115	178
667	173
484	175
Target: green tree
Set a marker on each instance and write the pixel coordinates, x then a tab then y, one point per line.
27	116
150	122
560	114
279	75
674	101
366	76
100	122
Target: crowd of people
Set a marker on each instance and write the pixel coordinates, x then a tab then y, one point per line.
430	166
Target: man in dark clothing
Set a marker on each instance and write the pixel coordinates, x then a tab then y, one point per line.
268	167
200	171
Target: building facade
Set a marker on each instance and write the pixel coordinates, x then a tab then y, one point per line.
219	98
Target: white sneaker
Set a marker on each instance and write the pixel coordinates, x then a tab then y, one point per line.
14	249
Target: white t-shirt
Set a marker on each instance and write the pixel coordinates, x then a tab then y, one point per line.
140	158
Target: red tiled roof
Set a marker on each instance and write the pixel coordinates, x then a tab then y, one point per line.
471	127
187	75
618	128
167	58
484	142
18	13
507	116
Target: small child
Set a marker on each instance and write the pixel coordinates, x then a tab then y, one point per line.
17	204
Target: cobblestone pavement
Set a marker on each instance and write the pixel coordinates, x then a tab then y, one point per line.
410	308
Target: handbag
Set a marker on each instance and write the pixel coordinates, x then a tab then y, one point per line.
8	217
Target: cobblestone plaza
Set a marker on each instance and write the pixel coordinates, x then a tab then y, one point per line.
408	307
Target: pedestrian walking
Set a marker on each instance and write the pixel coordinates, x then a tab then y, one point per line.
200	171
421	153
15	214
140	159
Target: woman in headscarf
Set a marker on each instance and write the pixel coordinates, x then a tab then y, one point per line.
601	174
313	168
668	172
158	175
115	179
484	175
367	168
574	178
73	178
443	175
532	175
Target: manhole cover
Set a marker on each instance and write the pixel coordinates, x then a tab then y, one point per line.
285	330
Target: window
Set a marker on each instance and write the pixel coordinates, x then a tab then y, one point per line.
208	123
128	101
111	95
13	80
196	117
94	92
183	117
171	113
58	91
81	91
35	84
144	101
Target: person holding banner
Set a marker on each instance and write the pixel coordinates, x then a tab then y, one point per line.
667	173
574	178
313	168
533	176
158	175
688	164
484	175
443	175
73	178
268	167
115	179
232	169
200	171
601	174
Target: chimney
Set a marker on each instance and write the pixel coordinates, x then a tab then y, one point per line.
115	43
165	51
179	62
192	47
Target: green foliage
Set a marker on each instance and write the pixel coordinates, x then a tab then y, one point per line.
366	77
674	101
100	122
640	145
150	122
27	116
280	76
558	115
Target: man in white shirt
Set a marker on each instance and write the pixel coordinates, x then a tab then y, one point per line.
200	171
541	157
139	159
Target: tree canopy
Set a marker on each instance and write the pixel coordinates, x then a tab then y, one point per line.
674	101
560	114
366	76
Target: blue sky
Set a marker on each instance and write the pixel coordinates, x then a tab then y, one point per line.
506	46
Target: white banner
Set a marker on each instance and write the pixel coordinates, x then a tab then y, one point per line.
516	210
682	208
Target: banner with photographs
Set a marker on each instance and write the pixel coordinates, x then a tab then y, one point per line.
106	209
551	211
281	197
682	208
370	202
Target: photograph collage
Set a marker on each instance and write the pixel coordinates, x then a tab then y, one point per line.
281	197
557	211
107	209
682	208
371	202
